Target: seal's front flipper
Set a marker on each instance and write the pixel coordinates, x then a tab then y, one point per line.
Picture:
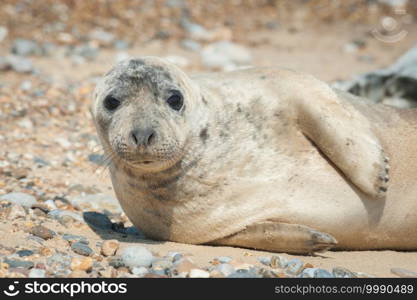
280	237
346	138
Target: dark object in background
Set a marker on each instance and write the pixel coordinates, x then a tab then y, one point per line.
395	85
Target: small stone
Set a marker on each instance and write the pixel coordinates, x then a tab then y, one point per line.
50	204
19	64
71	238
22	199
224	259
225	55
136	256
244	274
81	248
15	211
403	273
198	273
23	253
121	45
45	251
116	262
19	263
265	260
278	261
37	273
26	47
82	264
97	220
267	273
294	266
340	272
191	45
3	33
161	264
64	216
140	271
321	273
225	269
42	232
216	274
109	247
174	256
184	266
78	274
98	159
103	37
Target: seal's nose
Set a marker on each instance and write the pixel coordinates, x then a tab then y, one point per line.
142	137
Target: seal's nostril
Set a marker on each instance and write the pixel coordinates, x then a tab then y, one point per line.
134	138
151	137
142	137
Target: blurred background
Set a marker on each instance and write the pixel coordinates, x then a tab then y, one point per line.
53	51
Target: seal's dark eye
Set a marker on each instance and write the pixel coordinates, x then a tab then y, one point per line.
111	103
175	101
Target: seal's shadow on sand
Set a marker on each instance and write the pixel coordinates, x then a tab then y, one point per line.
107	230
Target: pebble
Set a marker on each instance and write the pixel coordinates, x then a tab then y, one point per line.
15	211
161	264
19	263
278	261
71	238
340	272
22	199
81	264
84	51
265	260
198	273
136	256
116	262
42	232
81	248
37	273
64	216
294	266
183	266
103	37
140	271
225	269
18	64
190	45
225	55
97	202
109	247
78	274
403	273
97	220
50	204
244	274
3	33
321	273
174	256
224	259
23	253
25	47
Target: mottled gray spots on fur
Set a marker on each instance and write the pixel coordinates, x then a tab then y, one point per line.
204	134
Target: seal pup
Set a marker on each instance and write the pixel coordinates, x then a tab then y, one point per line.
263	158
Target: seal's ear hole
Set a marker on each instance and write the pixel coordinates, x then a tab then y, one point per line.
176	100
111	103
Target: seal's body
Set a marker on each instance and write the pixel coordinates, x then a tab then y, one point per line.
261	158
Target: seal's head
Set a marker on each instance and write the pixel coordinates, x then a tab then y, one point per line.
141	111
